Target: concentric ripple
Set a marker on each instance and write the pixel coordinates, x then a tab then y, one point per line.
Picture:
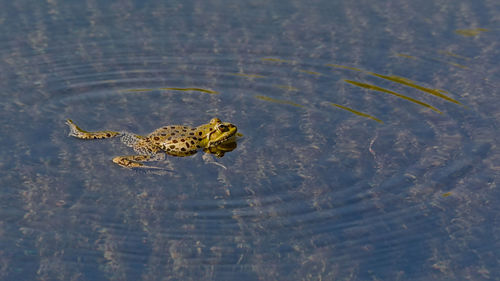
368	148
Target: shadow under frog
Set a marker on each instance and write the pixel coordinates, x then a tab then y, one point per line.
216	138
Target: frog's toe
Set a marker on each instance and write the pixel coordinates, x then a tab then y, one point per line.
128	161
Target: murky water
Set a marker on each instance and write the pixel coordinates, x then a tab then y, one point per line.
369	150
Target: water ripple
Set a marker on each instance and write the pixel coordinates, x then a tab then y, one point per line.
365	154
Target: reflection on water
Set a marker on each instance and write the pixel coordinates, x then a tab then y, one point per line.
357	112
174	89
471	32
355	163
278	60
264	98
380	89
248	75
401	80
191	89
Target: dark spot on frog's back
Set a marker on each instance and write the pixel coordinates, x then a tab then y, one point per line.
156	138
175	141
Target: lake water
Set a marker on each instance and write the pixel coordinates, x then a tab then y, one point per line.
369	148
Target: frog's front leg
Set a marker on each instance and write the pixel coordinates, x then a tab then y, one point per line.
135	161
76	132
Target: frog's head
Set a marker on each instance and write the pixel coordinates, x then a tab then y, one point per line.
221	132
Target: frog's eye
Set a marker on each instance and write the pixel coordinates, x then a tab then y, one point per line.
222	128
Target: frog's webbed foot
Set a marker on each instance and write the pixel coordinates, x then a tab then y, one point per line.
135	161
77	132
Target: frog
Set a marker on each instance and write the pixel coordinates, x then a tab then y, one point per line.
215	137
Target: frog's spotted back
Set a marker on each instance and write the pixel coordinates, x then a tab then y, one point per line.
176	140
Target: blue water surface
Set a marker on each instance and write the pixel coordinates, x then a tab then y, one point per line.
369	148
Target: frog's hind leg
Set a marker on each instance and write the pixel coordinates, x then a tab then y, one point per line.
135	161
131	140
76	132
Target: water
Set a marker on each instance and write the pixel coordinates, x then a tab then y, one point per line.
369	149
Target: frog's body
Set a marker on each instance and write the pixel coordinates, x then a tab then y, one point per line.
176	140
